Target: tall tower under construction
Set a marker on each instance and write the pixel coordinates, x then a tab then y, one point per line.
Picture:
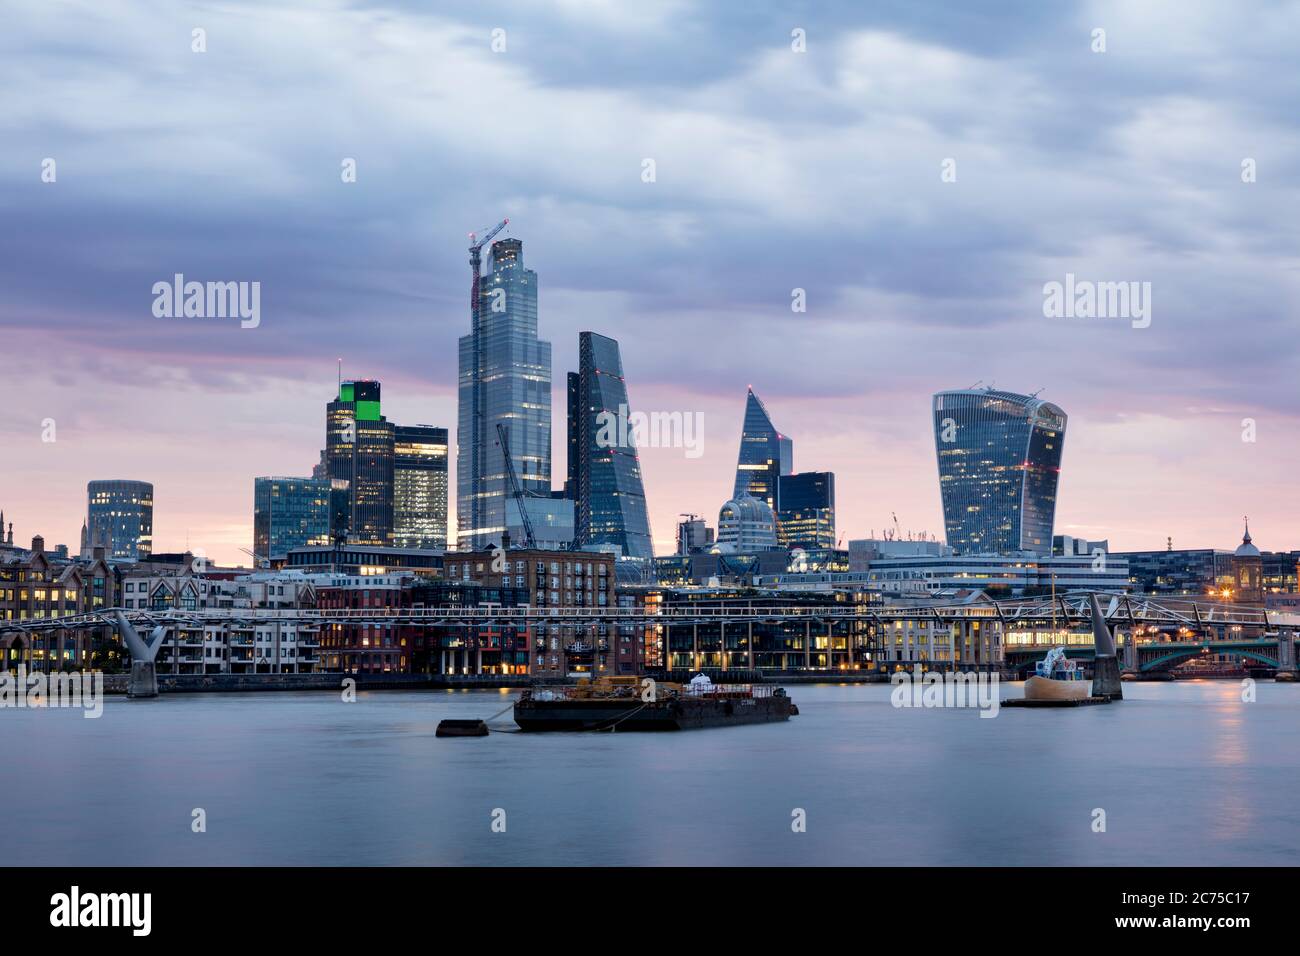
505	377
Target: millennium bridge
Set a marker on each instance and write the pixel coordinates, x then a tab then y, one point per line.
1153	634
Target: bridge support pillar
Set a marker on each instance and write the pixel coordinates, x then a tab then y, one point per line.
1130	652
1105	668
1105	678
144	673
144	680
1286	665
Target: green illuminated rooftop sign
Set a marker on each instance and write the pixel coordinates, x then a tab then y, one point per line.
368	411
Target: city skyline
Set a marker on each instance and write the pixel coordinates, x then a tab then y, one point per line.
775	171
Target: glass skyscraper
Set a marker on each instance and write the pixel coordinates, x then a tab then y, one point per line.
807	515
420	487
505	377
611	505
119	513
765	455
290	513
999	463
359	452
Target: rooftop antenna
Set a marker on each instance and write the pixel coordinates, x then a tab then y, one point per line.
340	378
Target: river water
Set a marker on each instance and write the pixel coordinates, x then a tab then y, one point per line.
1186	773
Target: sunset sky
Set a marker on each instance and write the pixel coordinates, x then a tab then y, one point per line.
775	170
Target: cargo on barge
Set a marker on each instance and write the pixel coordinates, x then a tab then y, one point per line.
620	703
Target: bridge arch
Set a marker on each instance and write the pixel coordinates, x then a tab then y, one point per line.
1166	661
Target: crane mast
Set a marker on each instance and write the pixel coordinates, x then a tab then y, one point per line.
517	491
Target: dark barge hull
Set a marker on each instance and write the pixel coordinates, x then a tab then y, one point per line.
633	714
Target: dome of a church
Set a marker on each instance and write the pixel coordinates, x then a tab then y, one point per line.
1247	548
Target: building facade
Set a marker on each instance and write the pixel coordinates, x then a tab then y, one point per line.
693	535
359	457
611	504
227	644
999	458
1004	576
36	585
505	378
289	513
420	487
120	513
551	579
765	455
745	523
762	644
552	520
807	515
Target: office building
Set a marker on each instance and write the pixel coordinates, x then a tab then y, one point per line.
505	378
611	504
693	535
745	524
806	518
420	487
999	458
119	516
359	444
289	513
552	520
765	455
1002	576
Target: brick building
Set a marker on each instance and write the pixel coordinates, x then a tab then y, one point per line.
36	585
558	580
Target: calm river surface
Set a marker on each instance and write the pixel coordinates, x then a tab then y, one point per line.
1187	774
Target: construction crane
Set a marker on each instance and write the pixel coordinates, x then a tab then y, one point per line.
476	398
530	540
258	560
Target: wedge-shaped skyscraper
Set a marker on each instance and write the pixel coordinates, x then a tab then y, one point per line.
999	463
765	455
611	506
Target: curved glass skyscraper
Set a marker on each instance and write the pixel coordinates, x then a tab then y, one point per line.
611	506
999	463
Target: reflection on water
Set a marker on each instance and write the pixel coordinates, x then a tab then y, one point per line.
1186	772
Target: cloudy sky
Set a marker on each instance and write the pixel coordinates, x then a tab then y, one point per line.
775	170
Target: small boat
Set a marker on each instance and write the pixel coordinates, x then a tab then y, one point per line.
1056	677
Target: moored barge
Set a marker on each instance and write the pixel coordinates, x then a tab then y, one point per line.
619	704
